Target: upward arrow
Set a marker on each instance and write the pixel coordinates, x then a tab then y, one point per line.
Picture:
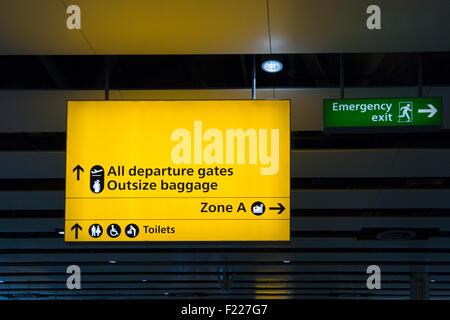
77	227
431	110
78	168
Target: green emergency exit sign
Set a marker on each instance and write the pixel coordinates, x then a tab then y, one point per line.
382	112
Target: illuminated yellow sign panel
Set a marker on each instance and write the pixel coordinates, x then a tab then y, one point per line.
178	171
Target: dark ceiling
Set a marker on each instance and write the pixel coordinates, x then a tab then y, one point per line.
336	232
222	71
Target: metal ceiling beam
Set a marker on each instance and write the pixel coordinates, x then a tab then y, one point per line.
53	71
315	69
419	286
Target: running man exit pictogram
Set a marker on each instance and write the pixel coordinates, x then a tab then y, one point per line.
405	112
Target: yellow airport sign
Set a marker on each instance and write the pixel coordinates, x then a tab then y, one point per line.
210	170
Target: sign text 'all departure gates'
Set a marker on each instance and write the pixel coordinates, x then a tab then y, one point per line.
178	170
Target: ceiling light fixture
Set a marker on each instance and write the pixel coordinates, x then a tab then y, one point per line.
112	261
272	66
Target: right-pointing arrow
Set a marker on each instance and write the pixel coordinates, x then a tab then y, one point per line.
280	208
431	110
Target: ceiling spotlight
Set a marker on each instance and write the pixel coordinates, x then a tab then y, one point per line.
286	261
272	66
112	261
61	232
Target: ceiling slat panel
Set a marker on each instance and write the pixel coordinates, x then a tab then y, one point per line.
310	163
264	269
38	27
236	278
309	223
330	199
300	199
340	26
181	27
315	244
229	258
46	109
